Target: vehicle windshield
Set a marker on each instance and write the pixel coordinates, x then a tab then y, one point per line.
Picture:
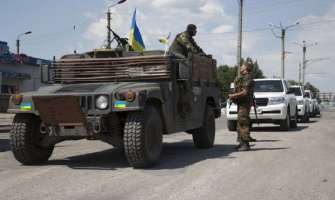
308	95
269	86
297	91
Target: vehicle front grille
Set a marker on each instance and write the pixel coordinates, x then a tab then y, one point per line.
262	101
86	102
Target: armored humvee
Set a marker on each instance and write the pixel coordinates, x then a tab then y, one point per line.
125	98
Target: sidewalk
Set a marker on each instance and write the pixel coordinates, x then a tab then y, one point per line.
5	121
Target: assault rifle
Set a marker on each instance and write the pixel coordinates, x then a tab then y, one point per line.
122	42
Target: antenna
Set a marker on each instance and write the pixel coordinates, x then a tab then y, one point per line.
74	27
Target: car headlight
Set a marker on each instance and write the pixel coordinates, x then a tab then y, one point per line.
101	102
276	100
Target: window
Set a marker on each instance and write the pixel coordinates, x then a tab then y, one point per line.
269	86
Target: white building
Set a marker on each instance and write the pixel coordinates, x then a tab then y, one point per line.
18	73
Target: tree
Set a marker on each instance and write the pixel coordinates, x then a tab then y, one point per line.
226	75
258	73
293	82
312	88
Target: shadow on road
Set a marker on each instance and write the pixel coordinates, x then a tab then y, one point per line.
267	149
4	145
174	156
276	128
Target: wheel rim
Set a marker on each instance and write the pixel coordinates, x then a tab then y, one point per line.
38	136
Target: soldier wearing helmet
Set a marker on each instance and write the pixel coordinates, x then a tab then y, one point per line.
184	42
243	96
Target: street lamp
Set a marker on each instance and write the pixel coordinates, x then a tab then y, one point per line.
304	61
109	23
18	41
282	37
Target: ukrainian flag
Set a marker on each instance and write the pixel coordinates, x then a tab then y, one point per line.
135	36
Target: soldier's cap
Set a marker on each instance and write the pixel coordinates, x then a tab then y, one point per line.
191	27
249	65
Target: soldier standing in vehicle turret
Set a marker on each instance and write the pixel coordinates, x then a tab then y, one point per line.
243	96
184	42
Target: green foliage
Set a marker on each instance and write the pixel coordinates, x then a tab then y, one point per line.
312	88
226	76
293	82
258	73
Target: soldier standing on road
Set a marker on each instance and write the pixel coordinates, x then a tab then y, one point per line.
243	96
184	42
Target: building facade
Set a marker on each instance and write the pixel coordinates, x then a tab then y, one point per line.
18	73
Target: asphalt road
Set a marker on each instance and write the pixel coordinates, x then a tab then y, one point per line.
298	164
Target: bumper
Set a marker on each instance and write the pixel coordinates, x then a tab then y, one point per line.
265	113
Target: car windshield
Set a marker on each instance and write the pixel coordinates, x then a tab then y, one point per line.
297	91
269	86
307	93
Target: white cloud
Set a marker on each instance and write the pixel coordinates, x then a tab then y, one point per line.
217	35
223	29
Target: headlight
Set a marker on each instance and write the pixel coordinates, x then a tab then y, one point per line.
301	102
16	99
101	102
127	95
276	100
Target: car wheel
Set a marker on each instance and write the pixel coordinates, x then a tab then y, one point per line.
232	125
204	136
294	120
143	135
285	123
26	140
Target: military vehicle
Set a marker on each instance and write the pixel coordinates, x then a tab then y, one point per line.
125	98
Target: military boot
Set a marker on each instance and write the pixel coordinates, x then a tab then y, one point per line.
239	145
252	139
244	146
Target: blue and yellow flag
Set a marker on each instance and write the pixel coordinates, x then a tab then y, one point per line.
135	36
164	40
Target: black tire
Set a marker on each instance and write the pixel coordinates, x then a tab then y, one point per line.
285	123
232	125
204	136
25	140
294	120
143	135
304	117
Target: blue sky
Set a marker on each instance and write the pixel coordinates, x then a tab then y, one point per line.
52	22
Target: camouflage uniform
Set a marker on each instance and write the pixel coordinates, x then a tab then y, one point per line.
184	43
245	81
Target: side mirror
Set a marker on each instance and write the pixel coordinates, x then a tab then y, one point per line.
45	74
183	70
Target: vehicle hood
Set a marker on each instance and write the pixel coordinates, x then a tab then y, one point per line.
87	88
268	94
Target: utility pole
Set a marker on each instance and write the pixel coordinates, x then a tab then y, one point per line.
282	37
299	73
109	23
18	41
239	41
304	61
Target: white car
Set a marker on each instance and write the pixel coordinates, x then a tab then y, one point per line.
275	102
303	103
312	103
